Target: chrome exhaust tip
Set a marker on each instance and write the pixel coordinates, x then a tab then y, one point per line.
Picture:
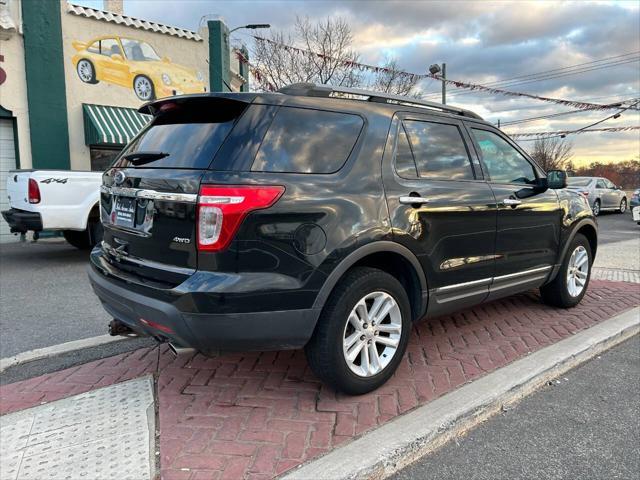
177	351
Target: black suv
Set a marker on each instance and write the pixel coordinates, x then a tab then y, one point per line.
329	219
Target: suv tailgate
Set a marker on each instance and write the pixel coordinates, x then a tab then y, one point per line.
149	195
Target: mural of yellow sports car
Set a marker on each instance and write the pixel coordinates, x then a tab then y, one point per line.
134	64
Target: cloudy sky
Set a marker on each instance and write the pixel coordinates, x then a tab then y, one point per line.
481	42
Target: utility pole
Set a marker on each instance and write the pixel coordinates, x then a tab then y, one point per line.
444	84
436	69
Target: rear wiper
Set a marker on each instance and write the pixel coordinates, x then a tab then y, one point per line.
140	158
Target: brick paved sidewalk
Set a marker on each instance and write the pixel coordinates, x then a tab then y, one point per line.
257	415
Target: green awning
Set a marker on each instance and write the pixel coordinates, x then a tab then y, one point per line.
106	125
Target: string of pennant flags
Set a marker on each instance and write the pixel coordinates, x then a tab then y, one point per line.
560	133
416	77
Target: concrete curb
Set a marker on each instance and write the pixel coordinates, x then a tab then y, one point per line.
46	352
393	446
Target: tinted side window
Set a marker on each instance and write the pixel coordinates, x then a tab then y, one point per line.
405	165
439	150
109	46
504	163
609	184
94	48
307	141
601	184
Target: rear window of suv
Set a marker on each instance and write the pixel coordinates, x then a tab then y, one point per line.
190	135
307	141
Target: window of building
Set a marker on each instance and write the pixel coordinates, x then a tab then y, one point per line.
102	157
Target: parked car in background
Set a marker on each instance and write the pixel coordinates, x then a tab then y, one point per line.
635	199
55	200
602	194
636	214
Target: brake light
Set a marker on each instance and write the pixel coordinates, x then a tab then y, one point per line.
34	191
221	210
585	193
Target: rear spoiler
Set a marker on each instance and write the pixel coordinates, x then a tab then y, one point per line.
79	45
198	100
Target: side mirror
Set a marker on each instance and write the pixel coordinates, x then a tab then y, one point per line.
116	57
556	179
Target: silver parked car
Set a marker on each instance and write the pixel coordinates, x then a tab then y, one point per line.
602	194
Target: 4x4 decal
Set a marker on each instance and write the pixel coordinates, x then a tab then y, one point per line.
56	180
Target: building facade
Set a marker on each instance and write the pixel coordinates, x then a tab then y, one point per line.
72	79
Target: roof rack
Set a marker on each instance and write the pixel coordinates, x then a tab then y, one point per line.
314	90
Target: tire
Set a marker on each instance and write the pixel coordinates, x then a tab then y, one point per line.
558	292
143	88
326	352
85	239
623	206
596	208
86	71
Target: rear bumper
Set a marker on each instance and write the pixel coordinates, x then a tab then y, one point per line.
22	221
205	331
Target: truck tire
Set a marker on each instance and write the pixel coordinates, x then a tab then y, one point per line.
84	239
362	332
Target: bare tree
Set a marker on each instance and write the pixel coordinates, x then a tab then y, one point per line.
322	53
392	80
331	39
552	153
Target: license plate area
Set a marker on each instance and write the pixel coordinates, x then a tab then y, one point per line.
132	213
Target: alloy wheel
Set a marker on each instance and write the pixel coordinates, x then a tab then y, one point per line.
143	88
577	271
85	71
596	208
372	334
623	205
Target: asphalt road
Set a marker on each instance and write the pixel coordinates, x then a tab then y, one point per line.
615	227
45	296
46	299
585	426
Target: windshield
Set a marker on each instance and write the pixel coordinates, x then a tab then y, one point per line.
578	181
138	51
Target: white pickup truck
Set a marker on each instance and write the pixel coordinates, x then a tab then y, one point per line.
55	200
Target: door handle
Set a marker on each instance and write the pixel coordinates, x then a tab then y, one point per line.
512	202
409	200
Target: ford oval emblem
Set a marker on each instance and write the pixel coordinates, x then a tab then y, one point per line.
119	177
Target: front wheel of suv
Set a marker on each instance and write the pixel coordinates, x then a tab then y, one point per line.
571	283
362	332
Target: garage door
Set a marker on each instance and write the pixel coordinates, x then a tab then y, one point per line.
7	162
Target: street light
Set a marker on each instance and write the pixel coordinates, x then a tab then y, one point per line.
434	70
252	26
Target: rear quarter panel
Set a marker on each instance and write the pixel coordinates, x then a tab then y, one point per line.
316	223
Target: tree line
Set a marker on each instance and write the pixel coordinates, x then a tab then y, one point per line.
556	153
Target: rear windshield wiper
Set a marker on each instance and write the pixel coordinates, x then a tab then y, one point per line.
140	158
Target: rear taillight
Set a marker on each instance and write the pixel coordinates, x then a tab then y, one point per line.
585	193
34	191
221	210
